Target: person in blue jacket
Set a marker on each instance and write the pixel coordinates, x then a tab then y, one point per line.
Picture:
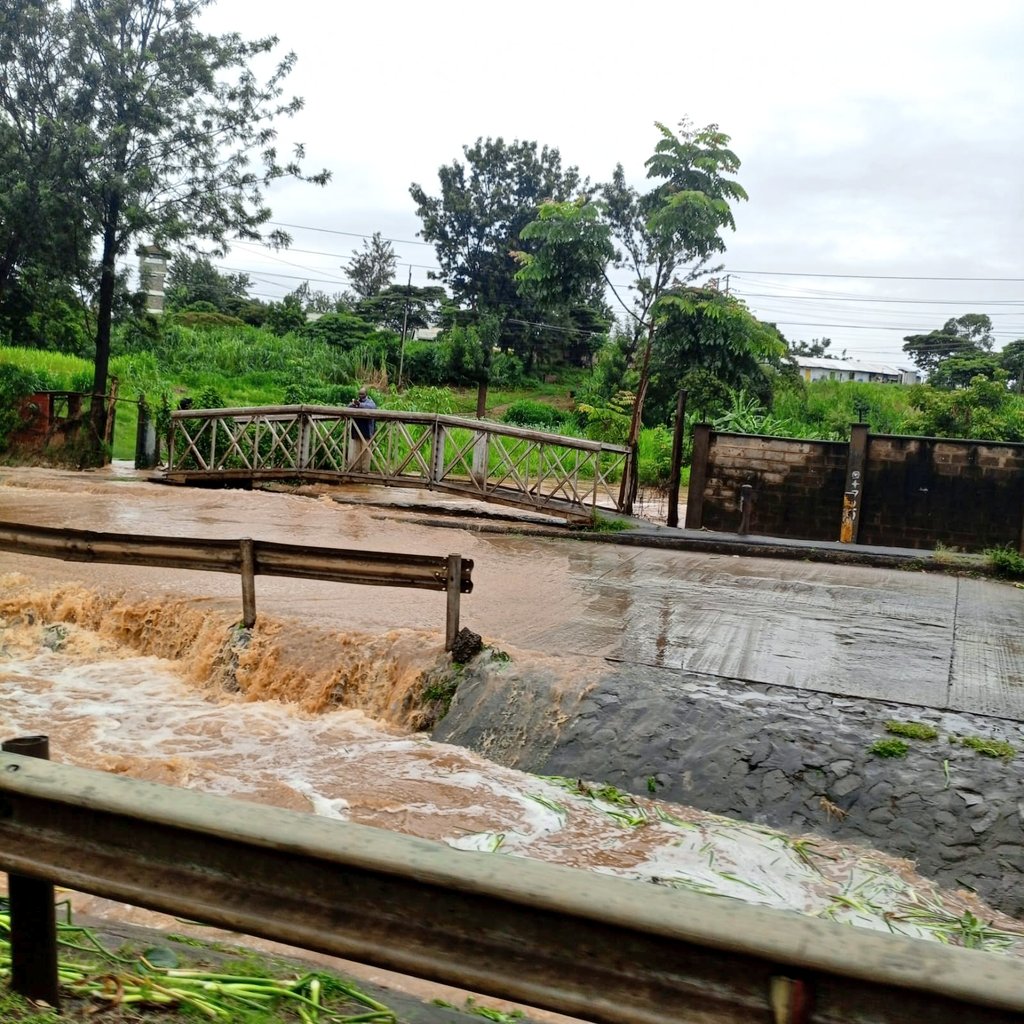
362	432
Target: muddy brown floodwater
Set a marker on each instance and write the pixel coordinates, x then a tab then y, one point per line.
141	672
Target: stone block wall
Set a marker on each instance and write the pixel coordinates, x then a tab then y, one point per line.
797	485
919	491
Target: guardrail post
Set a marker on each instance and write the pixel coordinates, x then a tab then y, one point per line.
33	914
248	551
454	588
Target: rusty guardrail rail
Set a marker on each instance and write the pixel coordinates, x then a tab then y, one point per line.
550	473
249	558
605	949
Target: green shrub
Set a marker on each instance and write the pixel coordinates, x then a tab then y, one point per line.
1006	562
15	384
527	413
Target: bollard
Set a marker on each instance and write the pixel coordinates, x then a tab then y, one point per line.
746	505
33	914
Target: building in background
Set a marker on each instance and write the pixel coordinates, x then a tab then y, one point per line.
820	368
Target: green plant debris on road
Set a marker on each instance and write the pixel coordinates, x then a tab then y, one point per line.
889	748
913	730
94	980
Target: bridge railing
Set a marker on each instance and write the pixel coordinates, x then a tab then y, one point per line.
529	468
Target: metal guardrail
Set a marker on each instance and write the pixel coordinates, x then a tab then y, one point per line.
249	558
564	476
604	949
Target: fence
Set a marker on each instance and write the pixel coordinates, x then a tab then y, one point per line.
249	558
605	949
564	476
913	492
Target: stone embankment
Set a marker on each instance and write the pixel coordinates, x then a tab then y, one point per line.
787	758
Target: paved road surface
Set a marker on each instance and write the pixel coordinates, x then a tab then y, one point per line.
917	638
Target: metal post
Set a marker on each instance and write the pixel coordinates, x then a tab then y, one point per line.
33	915
248	551
454	582
675	475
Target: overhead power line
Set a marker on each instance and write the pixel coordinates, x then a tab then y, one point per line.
872	277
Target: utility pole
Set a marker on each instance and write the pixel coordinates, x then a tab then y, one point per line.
727	285
405	322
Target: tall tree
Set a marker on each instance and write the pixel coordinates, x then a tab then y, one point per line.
967	335
476	225
168	131
664	237
372	268
195	279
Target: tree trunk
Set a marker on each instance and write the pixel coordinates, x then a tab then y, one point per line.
481	399
104	317
629	478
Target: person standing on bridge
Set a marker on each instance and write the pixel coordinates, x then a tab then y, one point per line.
362	432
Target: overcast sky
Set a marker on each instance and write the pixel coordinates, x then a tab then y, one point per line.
879	141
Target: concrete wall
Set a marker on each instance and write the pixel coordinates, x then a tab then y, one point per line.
920	490
797	485
915	492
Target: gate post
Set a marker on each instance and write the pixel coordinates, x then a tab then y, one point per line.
698	476
849	526
33	913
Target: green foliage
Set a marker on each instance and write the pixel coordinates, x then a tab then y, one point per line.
15	384
889	748
527	413
654	447
967	335
984	409
201	319
608	423
912	730
1006	562
192	280
344	330
372	268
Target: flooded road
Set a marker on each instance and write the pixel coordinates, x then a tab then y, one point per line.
128	670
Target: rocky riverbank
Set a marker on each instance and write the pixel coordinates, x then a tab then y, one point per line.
791	759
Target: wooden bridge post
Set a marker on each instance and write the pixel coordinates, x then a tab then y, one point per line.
437	455
481	457
305	430
454	584
33	912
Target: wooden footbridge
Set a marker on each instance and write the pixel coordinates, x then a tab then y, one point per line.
562	476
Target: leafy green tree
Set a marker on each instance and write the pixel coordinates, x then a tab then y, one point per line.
476	223
816	348
663	237
166	130
1011	359
959	371
704	329
967	335
192	279
372	268
413	306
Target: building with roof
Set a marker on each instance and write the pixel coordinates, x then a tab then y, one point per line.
820	368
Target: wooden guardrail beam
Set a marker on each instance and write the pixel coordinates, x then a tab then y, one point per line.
605	949
249	558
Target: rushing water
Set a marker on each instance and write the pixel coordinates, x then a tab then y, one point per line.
140	672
